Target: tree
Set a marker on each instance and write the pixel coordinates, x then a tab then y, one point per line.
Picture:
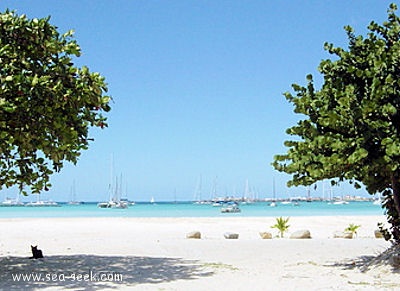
352	228
351	129
47	105
281	225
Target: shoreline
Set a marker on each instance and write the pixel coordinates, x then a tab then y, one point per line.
154	253
192	210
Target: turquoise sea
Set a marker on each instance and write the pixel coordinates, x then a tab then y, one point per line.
189	209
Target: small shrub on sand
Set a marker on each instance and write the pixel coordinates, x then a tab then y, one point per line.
281	225
352	228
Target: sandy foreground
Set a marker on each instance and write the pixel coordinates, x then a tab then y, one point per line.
154	254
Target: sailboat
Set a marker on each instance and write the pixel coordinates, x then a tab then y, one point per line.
340	202
73	200
41	203
197	194
115	199
124	198
273	202
248	195
114	193
12	202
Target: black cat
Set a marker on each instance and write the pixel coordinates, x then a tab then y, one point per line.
36	254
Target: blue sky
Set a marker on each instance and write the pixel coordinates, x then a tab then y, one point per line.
197	89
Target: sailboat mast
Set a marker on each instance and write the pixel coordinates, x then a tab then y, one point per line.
246	190
214	189
197	193
273	188
73	191
110	186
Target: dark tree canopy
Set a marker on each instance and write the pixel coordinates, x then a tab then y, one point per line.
351	126
47	105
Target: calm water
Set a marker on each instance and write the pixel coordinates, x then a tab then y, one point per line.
193	210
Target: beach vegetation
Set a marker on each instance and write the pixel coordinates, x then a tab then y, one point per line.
47	104
349	129
352	228
281	225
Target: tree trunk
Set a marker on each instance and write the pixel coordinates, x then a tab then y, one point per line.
396	191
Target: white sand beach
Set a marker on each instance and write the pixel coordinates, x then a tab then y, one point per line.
154	254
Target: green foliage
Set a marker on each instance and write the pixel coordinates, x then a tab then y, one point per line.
352	228
383	230
351	126
46	103
281	225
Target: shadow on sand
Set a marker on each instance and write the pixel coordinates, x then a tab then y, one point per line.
367	263
56	271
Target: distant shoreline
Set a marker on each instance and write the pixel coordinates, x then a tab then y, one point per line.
266	200
165	210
